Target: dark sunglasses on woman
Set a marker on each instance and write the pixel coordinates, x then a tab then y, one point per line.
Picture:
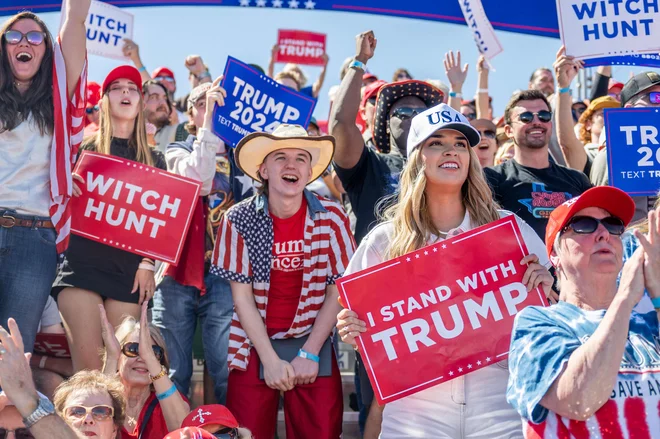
20	433
544	116
585	225
226	433
90	110
404	113
33	37
132	350
99	412
489	134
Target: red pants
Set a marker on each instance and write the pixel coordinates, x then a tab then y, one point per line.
311	411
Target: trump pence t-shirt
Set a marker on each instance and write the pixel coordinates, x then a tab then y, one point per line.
543	339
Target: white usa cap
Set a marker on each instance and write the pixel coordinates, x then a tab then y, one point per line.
440	117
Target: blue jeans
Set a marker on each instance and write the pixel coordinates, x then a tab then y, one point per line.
28	265
175	312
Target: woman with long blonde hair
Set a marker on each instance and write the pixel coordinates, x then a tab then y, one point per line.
93	273
443	193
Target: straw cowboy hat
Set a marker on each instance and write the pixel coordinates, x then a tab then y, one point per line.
252	150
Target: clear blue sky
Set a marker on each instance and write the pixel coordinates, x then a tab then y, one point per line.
166	35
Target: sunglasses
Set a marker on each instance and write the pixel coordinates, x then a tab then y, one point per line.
585	225
90	110
654	97
489	134
226	433
372	100
544	116
404	113
132	350
165	78
33	37
471	116
99	412
20	433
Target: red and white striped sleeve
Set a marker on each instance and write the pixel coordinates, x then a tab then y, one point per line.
342	242
231	258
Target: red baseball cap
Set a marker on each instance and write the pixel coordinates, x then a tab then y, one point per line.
93	93
615	201
614	84
371	91
368	75
162	71
190	433
208	415
123	72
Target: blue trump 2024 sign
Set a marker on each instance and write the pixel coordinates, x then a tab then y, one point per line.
257	103
633	149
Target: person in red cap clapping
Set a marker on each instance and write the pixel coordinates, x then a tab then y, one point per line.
571	364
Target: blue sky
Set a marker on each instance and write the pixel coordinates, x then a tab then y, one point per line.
166	35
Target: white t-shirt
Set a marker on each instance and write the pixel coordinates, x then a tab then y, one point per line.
471	406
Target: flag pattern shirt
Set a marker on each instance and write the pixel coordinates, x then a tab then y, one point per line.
69	125
542	341
243	253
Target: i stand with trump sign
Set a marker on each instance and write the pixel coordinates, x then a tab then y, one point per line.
442	311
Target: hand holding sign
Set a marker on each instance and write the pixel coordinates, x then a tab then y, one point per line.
365	46
566	68
131	50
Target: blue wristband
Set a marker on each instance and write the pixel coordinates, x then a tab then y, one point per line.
166	394
656	302
358	65
453	94
142	69
564	90
308	356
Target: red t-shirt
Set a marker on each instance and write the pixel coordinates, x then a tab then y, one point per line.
286	270
156	428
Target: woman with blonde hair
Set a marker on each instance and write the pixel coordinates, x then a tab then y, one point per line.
136	353
93	273
92	404
443	193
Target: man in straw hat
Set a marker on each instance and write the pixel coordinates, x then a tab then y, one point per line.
282	251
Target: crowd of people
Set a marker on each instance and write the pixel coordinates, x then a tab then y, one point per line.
281	217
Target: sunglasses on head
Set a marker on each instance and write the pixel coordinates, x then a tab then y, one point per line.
90	110
20	433
99	412
33	37
584	225
544	116
226	433
407	112
132	350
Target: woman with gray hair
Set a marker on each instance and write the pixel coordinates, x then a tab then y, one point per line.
136	351
590	365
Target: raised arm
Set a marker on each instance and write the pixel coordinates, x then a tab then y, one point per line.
318	85
566	68
591	371
601	82
132	51
481	99
199	73
349	142
74	41
271	63
456	77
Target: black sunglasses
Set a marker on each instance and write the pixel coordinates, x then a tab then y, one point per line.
20	433
543	115
90	110
471	116
132	350
404	113
226	433
33	37
585	225
489	134
372	100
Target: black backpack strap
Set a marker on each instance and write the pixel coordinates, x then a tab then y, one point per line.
147	417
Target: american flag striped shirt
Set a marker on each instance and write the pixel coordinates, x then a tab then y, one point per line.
69	118
243	253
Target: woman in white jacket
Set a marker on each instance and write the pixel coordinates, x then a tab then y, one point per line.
443	193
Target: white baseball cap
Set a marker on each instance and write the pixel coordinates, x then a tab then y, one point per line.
440	117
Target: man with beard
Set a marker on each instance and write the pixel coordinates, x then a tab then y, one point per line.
543	81
157	109
368	175
530	185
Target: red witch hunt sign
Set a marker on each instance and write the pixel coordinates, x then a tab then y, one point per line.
135	207
442	311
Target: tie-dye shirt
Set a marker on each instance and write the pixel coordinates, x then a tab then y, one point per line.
542	341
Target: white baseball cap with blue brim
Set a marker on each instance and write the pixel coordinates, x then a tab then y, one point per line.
440	117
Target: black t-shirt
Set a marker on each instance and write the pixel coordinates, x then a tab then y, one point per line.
533	194
374	176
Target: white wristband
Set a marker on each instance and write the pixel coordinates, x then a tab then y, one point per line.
144	266
482	90
42	363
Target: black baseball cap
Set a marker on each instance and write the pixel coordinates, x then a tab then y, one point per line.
638	84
